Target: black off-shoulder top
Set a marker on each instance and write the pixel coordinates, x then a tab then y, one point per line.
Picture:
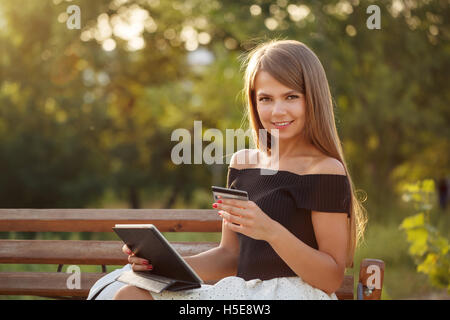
288	198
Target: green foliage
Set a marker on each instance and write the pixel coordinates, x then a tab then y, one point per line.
77	119
430	249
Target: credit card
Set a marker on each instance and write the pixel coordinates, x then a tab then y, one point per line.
229	193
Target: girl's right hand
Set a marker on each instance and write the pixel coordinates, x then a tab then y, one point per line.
137	264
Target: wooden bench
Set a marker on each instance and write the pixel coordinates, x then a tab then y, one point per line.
103	253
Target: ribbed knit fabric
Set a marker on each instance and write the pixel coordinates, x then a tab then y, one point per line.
288	198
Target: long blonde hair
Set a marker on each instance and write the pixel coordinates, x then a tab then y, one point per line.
296	66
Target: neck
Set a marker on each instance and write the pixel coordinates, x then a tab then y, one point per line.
294	147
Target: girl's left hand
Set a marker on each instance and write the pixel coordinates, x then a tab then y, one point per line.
249	219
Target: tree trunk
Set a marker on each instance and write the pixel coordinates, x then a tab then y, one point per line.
134	198
173	197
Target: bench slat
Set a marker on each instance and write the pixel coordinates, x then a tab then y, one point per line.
49	284
83	252
345	292
54	284
102	220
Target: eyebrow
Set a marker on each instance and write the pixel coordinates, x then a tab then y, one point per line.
285	94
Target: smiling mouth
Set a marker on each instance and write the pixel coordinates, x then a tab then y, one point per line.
282	124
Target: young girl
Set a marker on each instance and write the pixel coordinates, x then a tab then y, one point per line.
298	232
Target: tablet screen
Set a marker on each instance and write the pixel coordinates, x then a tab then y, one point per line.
147	242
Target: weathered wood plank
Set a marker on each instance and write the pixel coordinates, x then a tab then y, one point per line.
83	252
345	292
102	220
54	284
45	284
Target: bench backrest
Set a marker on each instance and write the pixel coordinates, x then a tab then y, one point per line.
102	220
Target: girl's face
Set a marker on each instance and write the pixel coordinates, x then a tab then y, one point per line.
279	107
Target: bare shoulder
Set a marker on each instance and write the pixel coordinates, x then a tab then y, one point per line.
329	165
244	158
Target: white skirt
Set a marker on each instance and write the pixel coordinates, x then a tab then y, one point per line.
235	288
229	288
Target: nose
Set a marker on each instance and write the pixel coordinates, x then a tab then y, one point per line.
278	109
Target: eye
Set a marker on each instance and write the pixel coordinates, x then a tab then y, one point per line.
262	99
294	97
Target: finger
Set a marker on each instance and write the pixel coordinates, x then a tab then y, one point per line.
126	250
138	261
235	202
141	267
231	209
232	218
235	227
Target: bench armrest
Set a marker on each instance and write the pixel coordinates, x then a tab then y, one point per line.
371	276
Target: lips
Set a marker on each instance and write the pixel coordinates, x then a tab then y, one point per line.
282	124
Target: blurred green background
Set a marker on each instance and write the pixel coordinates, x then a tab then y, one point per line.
86	115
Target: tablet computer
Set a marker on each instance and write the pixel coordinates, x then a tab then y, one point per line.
169	267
